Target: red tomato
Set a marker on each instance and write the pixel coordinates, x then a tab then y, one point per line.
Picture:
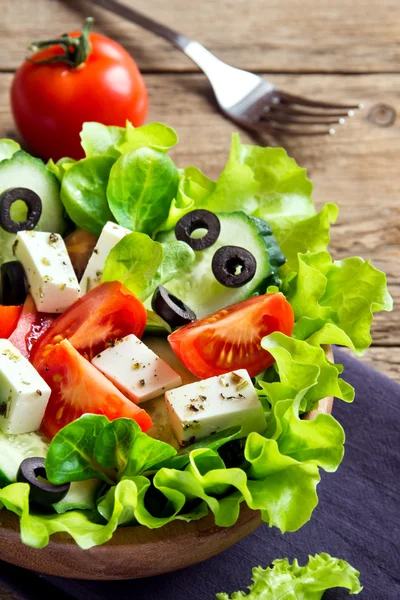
9	316
107	312
30	327
51	101
230	339
80	245
79	388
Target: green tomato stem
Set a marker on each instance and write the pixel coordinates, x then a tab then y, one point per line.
76	49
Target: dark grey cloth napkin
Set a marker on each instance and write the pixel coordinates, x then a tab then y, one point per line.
357	518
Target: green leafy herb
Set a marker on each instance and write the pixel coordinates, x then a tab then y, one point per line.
83	193
293	582
141	187
142	264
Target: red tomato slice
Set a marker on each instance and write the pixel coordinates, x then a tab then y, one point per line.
106	313
30	327
80	245
79	388
230	339
9	316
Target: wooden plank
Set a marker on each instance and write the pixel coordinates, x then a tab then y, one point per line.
357	168
271	36
384	359
5	594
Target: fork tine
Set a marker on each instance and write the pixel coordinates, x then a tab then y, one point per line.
290	109
301	101
314	119
270	127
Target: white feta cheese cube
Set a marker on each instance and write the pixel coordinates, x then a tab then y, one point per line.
205	407
50	274
109	237
23	393
136	370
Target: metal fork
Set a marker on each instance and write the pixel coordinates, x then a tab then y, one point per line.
249	100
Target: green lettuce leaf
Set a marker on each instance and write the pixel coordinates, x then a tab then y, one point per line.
294	582
92	446
302	368
83	192
142	264
193	188
98	139
345	293
156	136
141	187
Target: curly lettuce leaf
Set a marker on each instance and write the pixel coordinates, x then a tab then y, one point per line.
263	182
304	369
294	582
142	264
345	293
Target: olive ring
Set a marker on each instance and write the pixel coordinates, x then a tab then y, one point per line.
198	219
233	266
33	203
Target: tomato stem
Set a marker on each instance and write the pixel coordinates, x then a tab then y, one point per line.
76	49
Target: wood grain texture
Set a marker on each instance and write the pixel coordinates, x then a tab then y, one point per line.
275	36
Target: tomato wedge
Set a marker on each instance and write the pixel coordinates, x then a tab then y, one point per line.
230	339
79	388
9	316
107	312
31	325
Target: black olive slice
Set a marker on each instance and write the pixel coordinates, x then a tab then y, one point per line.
233	266
170	308
33	203
13	284
42	492
198	219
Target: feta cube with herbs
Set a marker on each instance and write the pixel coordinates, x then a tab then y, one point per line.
206	407
48	269
23	393
244	297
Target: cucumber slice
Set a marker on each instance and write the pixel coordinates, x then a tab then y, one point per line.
198	287
23	170
14	449
8	148
82	495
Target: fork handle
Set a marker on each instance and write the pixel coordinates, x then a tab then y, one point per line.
177	39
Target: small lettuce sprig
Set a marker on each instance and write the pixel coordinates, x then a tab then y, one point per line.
294	582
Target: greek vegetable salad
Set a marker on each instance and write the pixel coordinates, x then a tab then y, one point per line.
162	335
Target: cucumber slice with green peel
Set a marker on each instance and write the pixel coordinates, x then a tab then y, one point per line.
82	495
23	170
198	287
14	449
8	148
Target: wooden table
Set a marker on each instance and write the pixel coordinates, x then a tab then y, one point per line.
340	50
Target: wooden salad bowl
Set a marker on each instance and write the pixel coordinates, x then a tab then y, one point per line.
133	552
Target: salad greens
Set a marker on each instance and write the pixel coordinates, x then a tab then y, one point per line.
142	265
141	186
293	582
128	176
83	192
